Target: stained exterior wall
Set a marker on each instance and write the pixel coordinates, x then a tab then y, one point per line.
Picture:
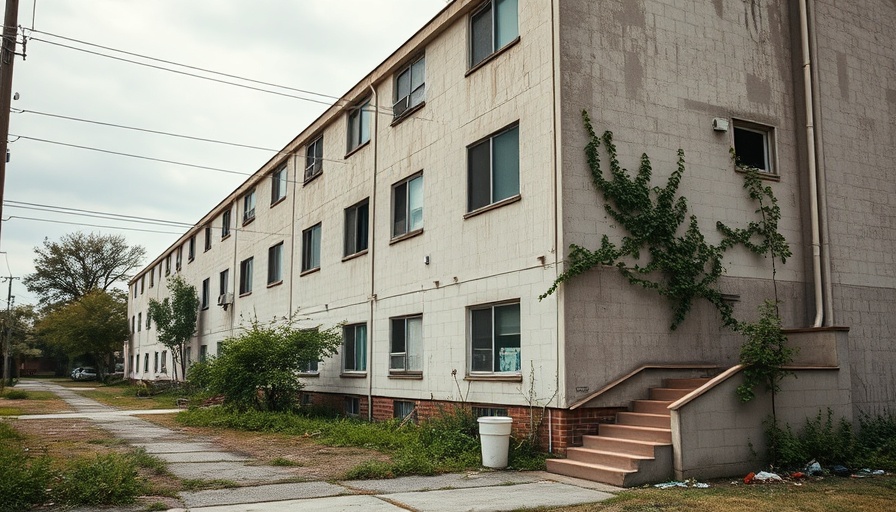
857	85
656	74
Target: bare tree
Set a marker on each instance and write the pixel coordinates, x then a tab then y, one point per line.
78	263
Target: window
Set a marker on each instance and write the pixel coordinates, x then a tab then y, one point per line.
152	277
148	320
164	361
191	249
352	406
493	168
206	289
479	412
402	409
249	206
167	264
354	340
155	362
135	290
225	224
278	184
754	146
311	248
495	338
492	27
146	362
359	125
223	280
179	259
208	238
314	158
203	353
406	351
410	87
356	226
407	206
246	276
139	321
142	283
275	263
311	367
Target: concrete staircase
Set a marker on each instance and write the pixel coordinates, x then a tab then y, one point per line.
635	450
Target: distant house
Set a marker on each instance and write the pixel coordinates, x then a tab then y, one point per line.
428	209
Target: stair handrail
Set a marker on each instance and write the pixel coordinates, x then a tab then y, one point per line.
582	401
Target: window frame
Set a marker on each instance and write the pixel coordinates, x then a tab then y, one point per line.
191	249
179	258
351	406
314	159
489	5
406	103
279	182
275	252
246	269
409	230
249	213
310	249
355	234
495	361
205	293
769	147
356	343
139	321
358	114
405	368
404	404
226	221
208	239
474	169
224	281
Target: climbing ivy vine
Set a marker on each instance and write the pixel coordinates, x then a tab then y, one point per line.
664	249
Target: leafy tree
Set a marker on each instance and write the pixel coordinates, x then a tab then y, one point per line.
259	369
96	324
18	324
175	318
79	263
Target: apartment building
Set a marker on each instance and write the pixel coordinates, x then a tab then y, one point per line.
428	209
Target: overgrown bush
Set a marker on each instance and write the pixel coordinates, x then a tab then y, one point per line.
16	394
23	476
833	442
104	480
257	370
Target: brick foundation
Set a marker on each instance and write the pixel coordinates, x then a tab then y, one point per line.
566	427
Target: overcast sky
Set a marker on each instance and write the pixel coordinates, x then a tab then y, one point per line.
324	46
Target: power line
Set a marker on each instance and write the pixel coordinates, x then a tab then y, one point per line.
100	216
147	130
123	216
11	217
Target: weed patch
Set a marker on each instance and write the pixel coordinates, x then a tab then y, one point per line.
16	394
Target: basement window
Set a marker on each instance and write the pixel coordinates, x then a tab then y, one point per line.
754	146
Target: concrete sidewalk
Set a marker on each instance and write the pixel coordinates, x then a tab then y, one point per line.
273	489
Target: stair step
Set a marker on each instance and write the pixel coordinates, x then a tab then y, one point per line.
660	435
652	406
606	458
693	383
668	393
643	419
593	472
619	445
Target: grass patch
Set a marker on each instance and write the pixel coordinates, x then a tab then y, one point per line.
128	397
156	506
283	462
11	411
198	484
443	444
16	394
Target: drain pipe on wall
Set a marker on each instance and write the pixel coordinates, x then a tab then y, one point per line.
821	172
371	251
811	162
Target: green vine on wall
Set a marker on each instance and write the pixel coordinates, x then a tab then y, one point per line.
664	249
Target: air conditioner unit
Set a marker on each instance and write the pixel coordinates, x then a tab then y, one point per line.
225	299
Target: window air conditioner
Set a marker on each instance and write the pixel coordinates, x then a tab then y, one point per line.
225	299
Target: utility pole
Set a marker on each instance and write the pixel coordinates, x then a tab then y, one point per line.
7	335
7	59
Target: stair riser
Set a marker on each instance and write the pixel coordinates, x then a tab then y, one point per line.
652	407
615	460
684	383
667	393
628	432
643	420
617	445
595	474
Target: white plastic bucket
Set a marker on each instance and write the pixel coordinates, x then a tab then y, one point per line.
494	434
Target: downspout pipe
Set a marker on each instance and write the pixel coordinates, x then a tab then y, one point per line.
811	164
372	252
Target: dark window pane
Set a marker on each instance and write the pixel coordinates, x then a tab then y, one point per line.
362	225
750	148
479	179
399	222
481	37
481	330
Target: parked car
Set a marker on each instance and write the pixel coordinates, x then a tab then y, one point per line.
86	373
75	373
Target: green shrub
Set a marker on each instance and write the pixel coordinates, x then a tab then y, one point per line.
23	477
369	470
104	480
16	394
876	441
